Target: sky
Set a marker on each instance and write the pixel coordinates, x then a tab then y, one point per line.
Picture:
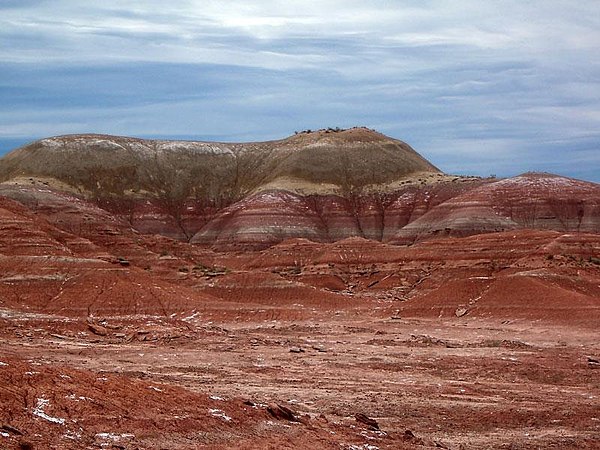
477	87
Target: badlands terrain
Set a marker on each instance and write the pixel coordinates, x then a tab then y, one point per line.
331	290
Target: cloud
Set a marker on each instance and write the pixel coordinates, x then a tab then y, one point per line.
485	81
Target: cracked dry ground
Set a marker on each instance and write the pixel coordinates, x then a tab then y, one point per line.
151	382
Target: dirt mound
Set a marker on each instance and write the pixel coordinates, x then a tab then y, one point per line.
70	286
213	174
268	217
349	159
525	274
24	233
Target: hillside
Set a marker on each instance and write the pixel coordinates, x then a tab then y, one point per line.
530	201
324	185
98	165
176	187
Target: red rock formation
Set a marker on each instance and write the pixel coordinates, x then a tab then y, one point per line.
269	217
23	233
324	186
181	189
534	201
260	220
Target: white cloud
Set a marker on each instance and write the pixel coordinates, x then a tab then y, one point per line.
191	31
505	73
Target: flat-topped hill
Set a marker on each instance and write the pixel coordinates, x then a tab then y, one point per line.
324	185
101	165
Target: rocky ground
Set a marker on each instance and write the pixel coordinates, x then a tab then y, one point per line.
346	381
488	341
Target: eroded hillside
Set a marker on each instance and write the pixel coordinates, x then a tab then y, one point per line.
325	186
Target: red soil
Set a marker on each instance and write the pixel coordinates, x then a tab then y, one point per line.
488	341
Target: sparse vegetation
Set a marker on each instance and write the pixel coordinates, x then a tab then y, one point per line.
330	130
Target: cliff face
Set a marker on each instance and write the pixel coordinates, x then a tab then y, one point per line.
324	186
